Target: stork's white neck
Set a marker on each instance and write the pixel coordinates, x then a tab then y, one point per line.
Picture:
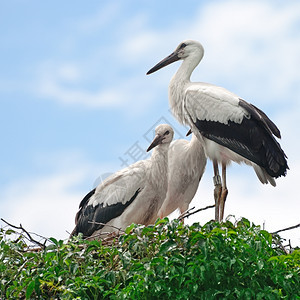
178	85
187	67
159	167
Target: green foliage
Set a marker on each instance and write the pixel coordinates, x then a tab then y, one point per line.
166	261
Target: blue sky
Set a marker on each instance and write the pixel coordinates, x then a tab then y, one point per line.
75	97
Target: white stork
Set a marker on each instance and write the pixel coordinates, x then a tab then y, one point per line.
187	163
230	128
131	195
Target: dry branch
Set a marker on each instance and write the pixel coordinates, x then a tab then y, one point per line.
188	213
288	228
108	225
29	237
107	238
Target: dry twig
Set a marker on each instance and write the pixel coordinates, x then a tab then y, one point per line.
188	213
182	215
107	238
28	235
108	225
288	228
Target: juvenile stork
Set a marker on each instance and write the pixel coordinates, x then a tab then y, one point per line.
230	128
131	195
187	163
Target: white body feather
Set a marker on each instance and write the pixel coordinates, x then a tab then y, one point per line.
150	176
131	195
203	101
187	163
230	128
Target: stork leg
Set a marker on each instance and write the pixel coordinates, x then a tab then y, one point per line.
217	190
184	208
224	192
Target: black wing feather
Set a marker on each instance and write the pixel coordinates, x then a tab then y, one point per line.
251	139
83	203
89	217
260	116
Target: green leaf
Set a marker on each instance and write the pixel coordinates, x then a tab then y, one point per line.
162	221
54	241
167	246
129	228
30	289
10	231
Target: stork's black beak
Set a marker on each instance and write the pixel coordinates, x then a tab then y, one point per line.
166	61
189	132
157	140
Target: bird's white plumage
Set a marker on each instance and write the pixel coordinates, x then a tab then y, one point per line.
202	101
187	163
136	177
190	101
230	128
137	192
119	187
208	102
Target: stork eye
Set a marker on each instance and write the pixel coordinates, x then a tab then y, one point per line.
183	45
167	132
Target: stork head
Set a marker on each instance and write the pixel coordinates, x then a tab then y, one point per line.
188	48
163	135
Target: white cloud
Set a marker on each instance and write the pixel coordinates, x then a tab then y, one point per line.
60	82
47	204
53	89
138	46
69	73
252	46
254	43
